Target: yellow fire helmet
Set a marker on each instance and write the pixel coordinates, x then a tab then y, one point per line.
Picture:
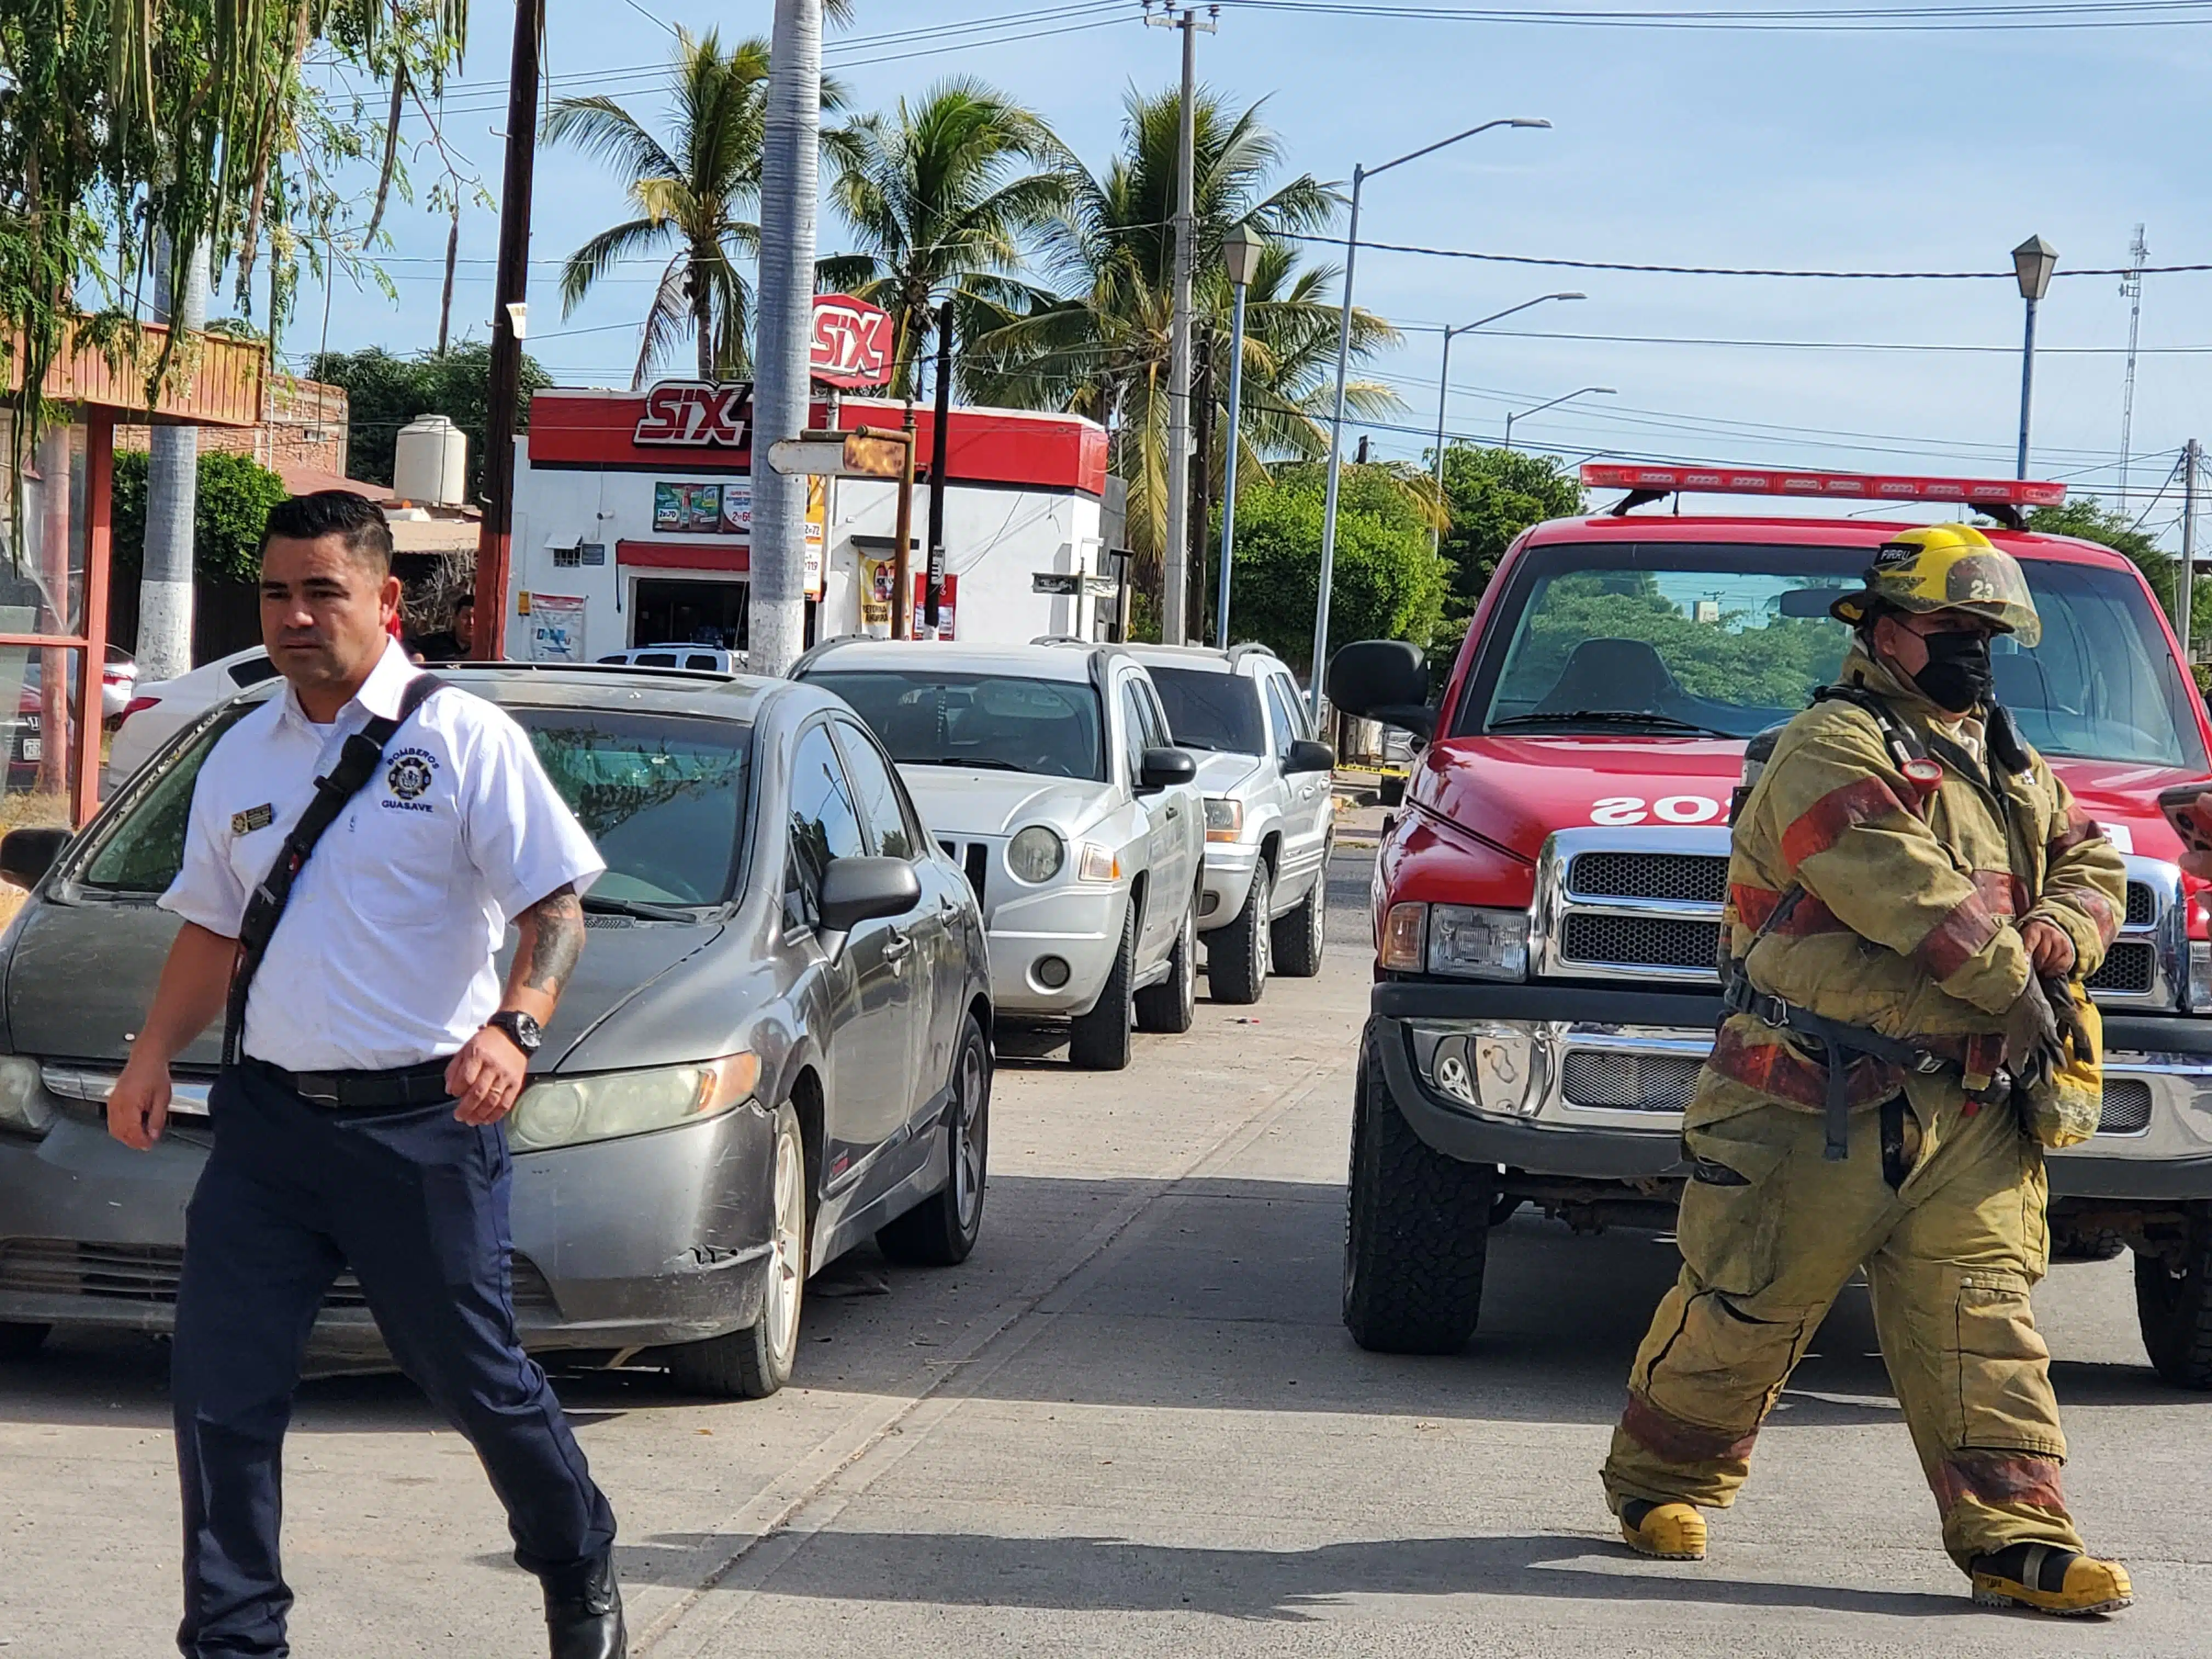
1946	567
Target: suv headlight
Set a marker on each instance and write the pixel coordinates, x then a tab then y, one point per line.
1224	818
23	1104
1463	941
567	1111
1036	854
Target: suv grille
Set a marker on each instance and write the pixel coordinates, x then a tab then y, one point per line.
2127	1107
149	1274
1641	941
2143	905
2130	967
1638	1083
1685	877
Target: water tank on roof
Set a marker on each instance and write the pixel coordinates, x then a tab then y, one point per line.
429	463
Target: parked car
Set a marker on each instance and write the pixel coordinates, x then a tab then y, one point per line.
778	1043
1270	811
1049	772
1548	908
160	709
712	659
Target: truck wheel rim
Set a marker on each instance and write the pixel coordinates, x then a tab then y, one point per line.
787	1262
967	1145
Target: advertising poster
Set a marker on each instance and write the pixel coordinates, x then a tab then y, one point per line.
947	600
672	506
817	496
692	506
706	507
876	578
556	627
737	515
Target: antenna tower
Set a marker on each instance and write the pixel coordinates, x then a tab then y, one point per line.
2131	290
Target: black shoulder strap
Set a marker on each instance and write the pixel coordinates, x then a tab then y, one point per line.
1903	742
358	763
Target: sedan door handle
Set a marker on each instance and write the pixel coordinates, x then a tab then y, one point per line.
896	945
1173	810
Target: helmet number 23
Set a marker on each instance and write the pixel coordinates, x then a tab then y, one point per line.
1668	809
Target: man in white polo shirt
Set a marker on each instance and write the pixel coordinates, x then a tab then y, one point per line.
367	1068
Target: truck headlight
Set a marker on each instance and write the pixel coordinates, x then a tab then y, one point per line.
23	1104
1036	854
1224	818
1471	943
567	1111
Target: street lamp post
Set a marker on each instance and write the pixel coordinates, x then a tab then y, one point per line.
1359	177
2032	262
1240	250
1444	385
1579	392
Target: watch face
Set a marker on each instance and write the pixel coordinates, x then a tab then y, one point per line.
522	1028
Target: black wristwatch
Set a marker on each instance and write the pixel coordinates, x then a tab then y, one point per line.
521	1030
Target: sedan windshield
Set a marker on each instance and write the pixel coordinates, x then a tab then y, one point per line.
664	799
1679	640
1211	709
1001	722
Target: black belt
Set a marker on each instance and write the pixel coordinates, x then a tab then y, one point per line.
361	1091
1839	1041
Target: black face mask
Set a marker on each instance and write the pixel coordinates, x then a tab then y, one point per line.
1958	675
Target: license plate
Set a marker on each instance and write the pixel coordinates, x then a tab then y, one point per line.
33	749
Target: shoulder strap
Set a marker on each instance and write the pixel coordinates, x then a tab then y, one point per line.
358	763
1903	742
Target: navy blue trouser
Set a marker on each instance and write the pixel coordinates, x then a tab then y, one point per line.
416	1204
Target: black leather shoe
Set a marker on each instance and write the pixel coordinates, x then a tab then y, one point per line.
584	1615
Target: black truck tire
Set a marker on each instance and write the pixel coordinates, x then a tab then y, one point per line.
1170	1006
1295	941
2173	1308
1099	1040
1236	956
1417	1228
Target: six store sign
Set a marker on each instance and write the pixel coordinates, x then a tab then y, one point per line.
851	347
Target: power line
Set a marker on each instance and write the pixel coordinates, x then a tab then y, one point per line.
2096	14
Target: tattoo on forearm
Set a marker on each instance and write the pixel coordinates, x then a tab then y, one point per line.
557	940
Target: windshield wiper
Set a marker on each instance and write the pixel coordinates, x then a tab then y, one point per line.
1611	717
606	905
980	762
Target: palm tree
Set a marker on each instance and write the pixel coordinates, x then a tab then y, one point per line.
1101	351
697	191
940	203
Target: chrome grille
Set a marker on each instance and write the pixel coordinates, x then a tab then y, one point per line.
149	1274
1642	1082
1685	878
1642	941
2143	905
2127	1107
2130	967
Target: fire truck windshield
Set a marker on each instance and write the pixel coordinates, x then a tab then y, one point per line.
1732	638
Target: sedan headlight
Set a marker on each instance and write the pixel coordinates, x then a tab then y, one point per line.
567	1111
1224	818
1036	854
23	1104
1463	941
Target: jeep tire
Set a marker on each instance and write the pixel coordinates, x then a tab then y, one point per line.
1099	1040
1236	956
2173	1306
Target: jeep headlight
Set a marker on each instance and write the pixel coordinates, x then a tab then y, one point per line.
23	1103
1036	854
566	1111
1470	942
1224	818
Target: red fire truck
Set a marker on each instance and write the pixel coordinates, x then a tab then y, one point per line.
1546	904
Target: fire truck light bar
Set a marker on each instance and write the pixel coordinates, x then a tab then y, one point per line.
1850	486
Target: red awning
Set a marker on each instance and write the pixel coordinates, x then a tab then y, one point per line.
685	556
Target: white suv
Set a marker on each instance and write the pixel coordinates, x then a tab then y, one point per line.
1269	810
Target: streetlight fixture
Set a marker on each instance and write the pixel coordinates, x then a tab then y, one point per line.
1443	383
1359	176
2032	262
1240	250
1580	392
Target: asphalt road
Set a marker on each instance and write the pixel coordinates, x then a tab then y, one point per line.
1132	1424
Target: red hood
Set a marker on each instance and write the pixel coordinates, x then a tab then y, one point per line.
1513	791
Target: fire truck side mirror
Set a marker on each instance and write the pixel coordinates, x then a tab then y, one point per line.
1383	680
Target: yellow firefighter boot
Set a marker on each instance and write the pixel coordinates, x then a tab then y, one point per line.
1668	1532
2050	1580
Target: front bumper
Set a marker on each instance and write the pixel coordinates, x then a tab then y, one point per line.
656	1239
1587	1082
1080	924
1226	884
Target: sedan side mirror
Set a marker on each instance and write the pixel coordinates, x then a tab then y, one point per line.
26	855
1162	768
1308	756
856	890
1383	680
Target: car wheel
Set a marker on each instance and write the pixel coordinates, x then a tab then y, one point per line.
1170	1006
1236	956
1417	1228
754	1362
22	1341
1295	942
941	1230
2173	1306
1099	1040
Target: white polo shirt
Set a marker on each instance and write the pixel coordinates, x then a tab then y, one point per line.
384	956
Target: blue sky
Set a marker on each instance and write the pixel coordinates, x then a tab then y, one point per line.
1882	150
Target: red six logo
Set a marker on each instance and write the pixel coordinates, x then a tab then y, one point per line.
852	341
693	414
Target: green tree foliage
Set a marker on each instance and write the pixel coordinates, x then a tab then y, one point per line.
383	392
1387	583
1492	496
2090	518
235	495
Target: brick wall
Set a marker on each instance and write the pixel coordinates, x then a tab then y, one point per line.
303	423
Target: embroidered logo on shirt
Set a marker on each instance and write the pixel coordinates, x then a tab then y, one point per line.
410	773
252	818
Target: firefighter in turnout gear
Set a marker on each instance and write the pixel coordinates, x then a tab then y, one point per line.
1914	901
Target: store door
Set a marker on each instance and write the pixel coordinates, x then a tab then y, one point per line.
672	612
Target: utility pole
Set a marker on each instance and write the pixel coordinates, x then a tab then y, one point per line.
932	593
1175	574
2190	454
509	315
172	462
791	156
2131	290
1202	462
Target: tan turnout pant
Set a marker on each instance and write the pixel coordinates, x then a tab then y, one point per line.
1770	1232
